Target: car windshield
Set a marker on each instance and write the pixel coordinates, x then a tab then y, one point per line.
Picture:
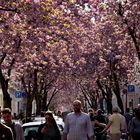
28	129
31	129
39	119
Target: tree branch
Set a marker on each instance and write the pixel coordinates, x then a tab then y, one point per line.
3	57
9	9
13	60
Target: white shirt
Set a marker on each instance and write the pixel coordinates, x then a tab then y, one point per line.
78	127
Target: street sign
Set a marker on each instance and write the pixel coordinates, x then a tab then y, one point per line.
19	94
131	88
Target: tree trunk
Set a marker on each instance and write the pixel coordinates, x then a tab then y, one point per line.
7	100
101	103
6	97
94	103
109	105
117	93
130	29
120	103
38	106
106	95
44	103
4	82
28	108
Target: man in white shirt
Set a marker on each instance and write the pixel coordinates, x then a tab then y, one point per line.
77	124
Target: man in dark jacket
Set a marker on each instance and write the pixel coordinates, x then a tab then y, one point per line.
16	128
100	118
128	116
5	133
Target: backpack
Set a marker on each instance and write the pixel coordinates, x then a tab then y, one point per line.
123	125
135	126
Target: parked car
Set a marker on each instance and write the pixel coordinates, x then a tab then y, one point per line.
30	129
58	120
39	119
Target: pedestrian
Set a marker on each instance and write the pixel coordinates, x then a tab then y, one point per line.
15	116
5	132
128	116
77	124
100	119
15	127
134	127
114	125
124	128
91	114
49	130
59	113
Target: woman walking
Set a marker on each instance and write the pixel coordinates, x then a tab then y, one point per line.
49	130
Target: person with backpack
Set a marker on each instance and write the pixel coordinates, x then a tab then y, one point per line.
100	119
114	125
134	126
128	116
123	128
15	127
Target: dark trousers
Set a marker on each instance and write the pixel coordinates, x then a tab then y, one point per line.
136	136
101	136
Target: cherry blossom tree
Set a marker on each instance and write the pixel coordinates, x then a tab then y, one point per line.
9	48
79	39
49	42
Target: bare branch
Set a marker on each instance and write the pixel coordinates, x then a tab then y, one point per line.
3	57
9	9
13	60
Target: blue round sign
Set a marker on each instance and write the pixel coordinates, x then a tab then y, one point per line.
131	88
19	94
